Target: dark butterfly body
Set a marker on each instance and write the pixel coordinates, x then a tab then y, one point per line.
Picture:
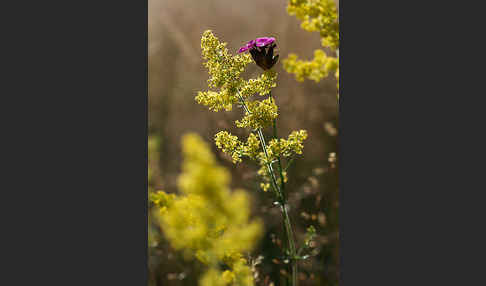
263	56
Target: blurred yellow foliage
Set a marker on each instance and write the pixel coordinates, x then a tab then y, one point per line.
316	16
207	220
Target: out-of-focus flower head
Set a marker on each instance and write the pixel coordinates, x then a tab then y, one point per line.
317	16
261	50
208	220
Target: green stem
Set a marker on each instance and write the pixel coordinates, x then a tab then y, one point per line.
280	197
288	164
287	225
282	182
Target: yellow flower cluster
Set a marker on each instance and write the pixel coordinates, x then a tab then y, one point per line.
252	147
280	148
208	221
239	275
161	200
262	85
259	115
276	148
288	147
231	145
316	69
320	16
225	70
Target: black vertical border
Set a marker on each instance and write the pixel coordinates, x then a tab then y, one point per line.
403	145
74	206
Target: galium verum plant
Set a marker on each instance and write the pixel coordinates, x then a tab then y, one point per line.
260	113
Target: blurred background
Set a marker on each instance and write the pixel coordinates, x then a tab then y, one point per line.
176	74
